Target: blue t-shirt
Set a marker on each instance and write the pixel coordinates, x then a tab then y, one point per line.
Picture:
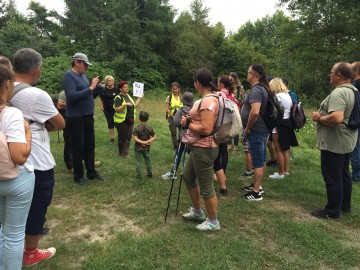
79	97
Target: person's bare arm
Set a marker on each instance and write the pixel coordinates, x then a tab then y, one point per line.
55	123
253	116
19	152
333	119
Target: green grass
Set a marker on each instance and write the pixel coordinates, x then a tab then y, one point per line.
119	223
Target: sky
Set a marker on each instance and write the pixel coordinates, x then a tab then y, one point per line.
231	13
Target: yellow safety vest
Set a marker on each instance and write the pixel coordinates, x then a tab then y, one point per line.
119	117
175	104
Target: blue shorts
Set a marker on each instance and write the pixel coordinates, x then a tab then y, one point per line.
257	147
43	191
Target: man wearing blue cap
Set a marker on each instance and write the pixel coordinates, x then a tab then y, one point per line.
80	116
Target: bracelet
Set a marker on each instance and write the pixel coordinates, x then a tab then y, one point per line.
319	119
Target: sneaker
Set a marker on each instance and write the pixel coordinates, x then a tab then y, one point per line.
111	141
149	175
250	188
38	255
208	226
276	176
82	181
192	216
323	214
168	176
253	196
248	173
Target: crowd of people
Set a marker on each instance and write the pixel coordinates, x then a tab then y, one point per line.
26	124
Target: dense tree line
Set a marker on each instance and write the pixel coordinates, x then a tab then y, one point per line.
141	40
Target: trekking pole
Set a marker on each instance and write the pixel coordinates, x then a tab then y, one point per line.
58	136
172	180
181	176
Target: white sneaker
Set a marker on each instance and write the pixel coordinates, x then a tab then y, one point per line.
276	176
208	226
168	176
191	215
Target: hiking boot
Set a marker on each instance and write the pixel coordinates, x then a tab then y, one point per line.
82	181
323	214
271	163
251	186
248	173
253	196
192	216
37	255
208	226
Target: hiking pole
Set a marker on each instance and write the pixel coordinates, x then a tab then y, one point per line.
58	136
172	180
181	176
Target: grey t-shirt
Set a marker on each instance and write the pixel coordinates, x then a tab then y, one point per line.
257	94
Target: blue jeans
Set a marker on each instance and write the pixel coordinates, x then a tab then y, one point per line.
15	200
257	147
355	161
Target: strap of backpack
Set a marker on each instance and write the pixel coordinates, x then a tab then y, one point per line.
18	88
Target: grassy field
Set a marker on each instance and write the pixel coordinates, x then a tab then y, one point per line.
119	223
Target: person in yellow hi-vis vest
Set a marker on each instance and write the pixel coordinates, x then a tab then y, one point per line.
173	103
124	117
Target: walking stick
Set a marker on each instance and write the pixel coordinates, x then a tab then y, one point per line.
181	176
172	180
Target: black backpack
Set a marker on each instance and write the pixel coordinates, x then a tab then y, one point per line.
297	116
274	112
354	120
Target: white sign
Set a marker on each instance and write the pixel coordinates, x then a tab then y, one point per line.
138	89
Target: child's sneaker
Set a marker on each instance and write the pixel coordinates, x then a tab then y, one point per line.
208	226
192	216
37	255
253	196
250	188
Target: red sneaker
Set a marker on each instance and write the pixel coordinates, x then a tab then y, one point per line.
38	255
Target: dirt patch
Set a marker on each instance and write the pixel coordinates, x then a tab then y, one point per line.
107	223
296	212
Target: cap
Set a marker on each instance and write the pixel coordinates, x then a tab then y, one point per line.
81	57
187	98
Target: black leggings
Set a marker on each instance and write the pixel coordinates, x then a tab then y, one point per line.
221	160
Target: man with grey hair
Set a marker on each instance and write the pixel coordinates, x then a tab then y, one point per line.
336	142
80	118
38	108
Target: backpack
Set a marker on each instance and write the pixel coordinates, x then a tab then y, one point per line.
8	169
228	123
274	112
297	116
354	120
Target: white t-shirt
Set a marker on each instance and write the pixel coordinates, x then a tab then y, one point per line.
286	102
12	124
36	105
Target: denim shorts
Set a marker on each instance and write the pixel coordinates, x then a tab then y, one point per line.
257	147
